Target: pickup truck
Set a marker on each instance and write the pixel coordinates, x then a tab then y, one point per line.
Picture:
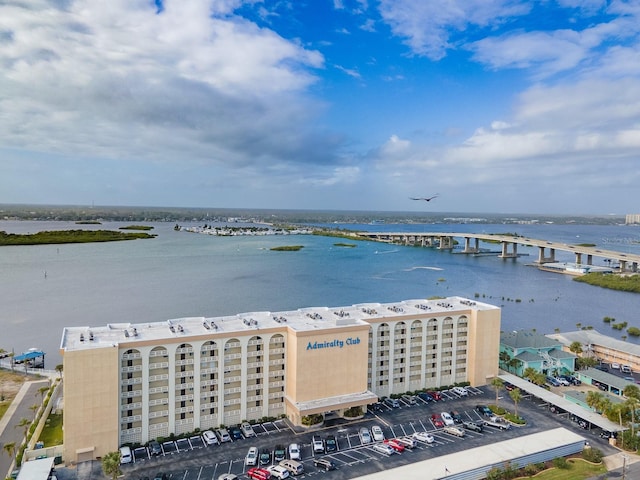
497	422
474	426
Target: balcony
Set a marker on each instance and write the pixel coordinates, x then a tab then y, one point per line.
158	353
131	356
158	365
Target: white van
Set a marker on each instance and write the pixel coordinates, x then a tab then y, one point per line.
294	467
125	455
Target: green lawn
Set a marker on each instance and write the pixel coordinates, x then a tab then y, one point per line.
52	433
579	470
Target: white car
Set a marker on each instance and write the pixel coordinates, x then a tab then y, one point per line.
278	471
383	448
423	437
294	451
318	444
447	419
615	366
209	438
365	436
251	460
460	391
247	430
378	436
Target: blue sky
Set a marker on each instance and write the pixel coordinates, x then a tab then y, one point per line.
498	106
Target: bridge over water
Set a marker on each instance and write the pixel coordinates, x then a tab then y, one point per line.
509	246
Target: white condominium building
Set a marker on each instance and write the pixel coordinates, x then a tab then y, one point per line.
131	383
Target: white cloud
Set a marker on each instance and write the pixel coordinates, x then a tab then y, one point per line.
428	26
116	79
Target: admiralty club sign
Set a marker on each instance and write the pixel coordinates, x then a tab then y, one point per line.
333	343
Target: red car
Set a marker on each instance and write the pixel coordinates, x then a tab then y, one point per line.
259	473
437	421
396	445
436	396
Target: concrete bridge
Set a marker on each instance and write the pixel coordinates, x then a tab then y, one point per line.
509	246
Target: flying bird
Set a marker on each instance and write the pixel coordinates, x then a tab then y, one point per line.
426	199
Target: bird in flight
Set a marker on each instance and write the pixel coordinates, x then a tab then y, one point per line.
426	199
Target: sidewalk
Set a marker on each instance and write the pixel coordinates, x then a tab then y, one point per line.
615	464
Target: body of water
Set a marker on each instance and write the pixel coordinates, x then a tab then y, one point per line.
180	274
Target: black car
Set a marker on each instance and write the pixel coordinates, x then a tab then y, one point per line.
236	433
265	457
484	410
377	407
279	453
330	444
509	386
324	463
154	448
456	416
425	396
161	476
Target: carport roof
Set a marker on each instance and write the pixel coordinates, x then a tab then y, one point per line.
604	377
550	397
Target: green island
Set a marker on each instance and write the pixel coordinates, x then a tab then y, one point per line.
624	283
136	227
68	236
287	248
340	244
88	222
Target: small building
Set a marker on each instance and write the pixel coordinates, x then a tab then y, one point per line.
604	347
524	349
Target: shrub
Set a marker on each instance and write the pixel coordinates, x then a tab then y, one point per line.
353	412
561	463
592	455
314	419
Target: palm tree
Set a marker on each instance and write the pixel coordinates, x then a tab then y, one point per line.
10	448
594	400
516	396
59	369
575	347
111	465
34	408
632	391
530	373
632	404
497	383
24	423
42	391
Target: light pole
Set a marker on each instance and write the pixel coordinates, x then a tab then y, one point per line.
624	466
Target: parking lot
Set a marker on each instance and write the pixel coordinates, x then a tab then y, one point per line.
191	459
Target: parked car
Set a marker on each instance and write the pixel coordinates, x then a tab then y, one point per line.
447	419
330	444
436	396
279	453
376	431
453	430
265	457
228	476
161	476
409	399
365	436
626	369
392	402
552	381
324	463
456	416
476	427
437	420
155	448
563	381
484	410
251	459
210	438
294	451
125	455
425	396
256	473
278	471
247	430
295	467
602	367
383	448
318	444
407	441
509	386
395	444
223	435
235	433
376	407
460	391
423	437
615	366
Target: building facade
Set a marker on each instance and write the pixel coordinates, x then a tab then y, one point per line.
523	349
137	382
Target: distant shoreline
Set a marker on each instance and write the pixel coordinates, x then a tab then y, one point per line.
68	236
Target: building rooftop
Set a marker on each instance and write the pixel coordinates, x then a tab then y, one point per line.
527	339
303	319
589	337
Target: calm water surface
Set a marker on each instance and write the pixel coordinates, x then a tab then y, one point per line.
180	274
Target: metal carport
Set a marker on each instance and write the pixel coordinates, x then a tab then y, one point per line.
553	399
